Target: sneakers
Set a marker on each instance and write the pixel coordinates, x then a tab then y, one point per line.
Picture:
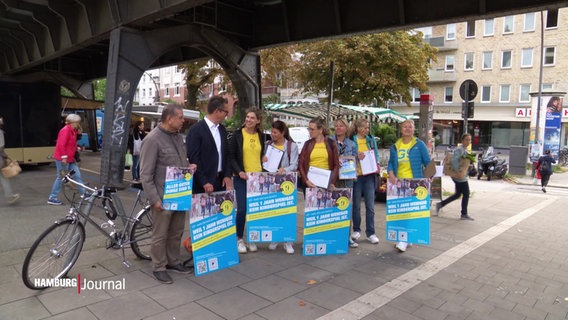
353	244
288	247
544	189
252	247
438	207
241	247
180	268
54	202
163	277
373	239
13	198
466	217
355	235
401	246
273	246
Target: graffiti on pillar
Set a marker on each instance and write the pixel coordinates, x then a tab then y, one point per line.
119	125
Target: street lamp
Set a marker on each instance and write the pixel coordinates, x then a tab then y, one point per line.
155	80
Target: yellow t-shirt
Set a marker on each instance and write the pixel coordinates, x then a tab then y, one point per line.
404	170
319	157
251	152
361	147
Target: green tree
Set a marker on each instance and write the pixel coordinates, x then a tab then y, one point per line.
279	65
384	66
100	89
386	134
198	74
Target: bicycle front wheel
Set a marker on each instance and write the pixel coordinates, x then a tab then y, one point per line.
141	234
53	254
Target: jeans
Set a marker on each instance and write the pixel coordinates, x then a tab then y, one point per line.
364	186
135	167
57	183
6	185
241	191
462	188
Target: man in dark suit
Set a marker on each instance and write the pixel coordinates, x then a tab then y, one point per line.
207	146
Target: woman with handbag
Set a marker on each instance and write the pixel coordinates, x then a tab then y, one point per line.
10	196
134	143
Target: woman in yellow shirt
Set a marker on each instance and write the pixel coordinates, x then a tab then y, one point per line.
246	150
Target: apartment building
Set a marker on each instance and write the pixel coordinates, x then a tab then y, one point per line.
502	55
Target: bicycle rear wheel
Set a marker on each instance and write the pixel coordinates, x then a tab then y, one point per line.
53	254
141	234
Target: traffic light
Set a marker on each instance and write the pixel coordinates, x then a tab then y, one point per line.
467	109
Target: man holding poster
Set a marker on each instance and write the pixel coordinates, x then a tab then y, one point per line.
161	148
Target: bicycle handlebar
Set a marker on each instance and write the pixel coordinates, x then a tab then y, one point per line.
67	178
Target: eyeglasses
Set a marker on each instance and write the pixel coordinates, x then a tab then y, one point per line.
224	111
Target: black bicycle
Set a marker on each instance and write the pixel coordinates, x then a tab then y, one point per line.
57	249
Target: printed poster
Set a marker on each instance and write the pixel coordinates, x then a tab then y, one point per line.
408	211
271	207
177	189
327	218
213	231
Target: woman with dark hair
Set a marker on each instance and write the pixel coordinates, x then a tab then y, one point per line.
281	140
134	143
545	168
246	150
320	152
554	105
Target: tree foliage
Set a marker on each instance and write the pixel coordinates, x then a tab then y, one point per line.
197	74
278	65
384	66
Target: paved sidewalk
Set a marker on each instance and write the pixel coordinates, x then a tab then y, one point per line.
510	263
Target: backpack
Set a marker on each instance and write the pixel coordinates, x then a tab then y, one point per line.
545	167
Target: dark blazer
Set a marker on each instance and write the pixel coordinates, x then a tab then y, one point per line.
202	151
236	150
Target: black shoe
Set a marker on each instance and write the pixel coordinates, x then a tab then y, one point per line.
438	207
544	189
180	268
466	217
163	277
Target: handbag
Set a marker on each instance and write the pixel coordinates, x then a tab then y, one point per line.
11	169
128	160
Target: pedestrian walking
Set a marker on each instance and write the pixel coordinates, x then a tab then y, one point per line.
408	158
544	166
460	179
164	147
64	156
10	196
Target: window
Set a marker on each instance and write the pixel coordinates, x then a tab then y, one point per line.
504	93
167	90
176	89
150	92
487	60
451	31
415	95
468	61
524	91
488	30
486	94
549	53
508	24
449	94
526	57
529	22
547	86
470	29
450	63
143	92
552	19
506	59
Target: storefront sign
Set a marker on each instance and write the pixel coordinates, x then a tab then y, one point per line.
522	112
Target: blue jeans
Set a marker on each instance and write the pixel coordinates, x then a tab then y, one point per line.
135	167
364	186
57	183
241	191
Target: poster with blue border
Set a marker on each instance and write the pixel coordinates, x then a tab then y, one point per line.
178	189
213	232
552	126
272	204
408	211
327	218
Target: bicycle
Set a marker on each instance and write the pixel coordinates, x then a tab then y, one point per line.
57	249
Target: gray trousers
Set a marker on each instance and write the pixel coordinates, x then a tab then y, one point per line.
167	230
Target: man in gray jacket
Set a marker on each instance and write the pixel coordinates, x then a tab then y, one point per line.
161	148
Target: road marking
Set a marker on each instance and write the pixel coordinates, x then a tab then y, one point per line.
384	294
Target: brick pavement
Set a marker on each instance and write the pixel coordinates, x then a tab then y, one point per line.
508	264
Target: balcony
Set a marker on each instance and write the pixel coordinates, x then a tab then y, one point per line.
442	44
440	75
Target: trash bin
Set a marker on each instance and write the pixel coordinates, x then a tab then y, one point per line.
518	156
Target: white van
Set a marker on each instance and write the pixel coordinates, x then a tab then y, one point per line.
299	135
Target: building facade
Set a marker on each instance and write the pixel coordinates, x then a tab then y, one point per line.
502	55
